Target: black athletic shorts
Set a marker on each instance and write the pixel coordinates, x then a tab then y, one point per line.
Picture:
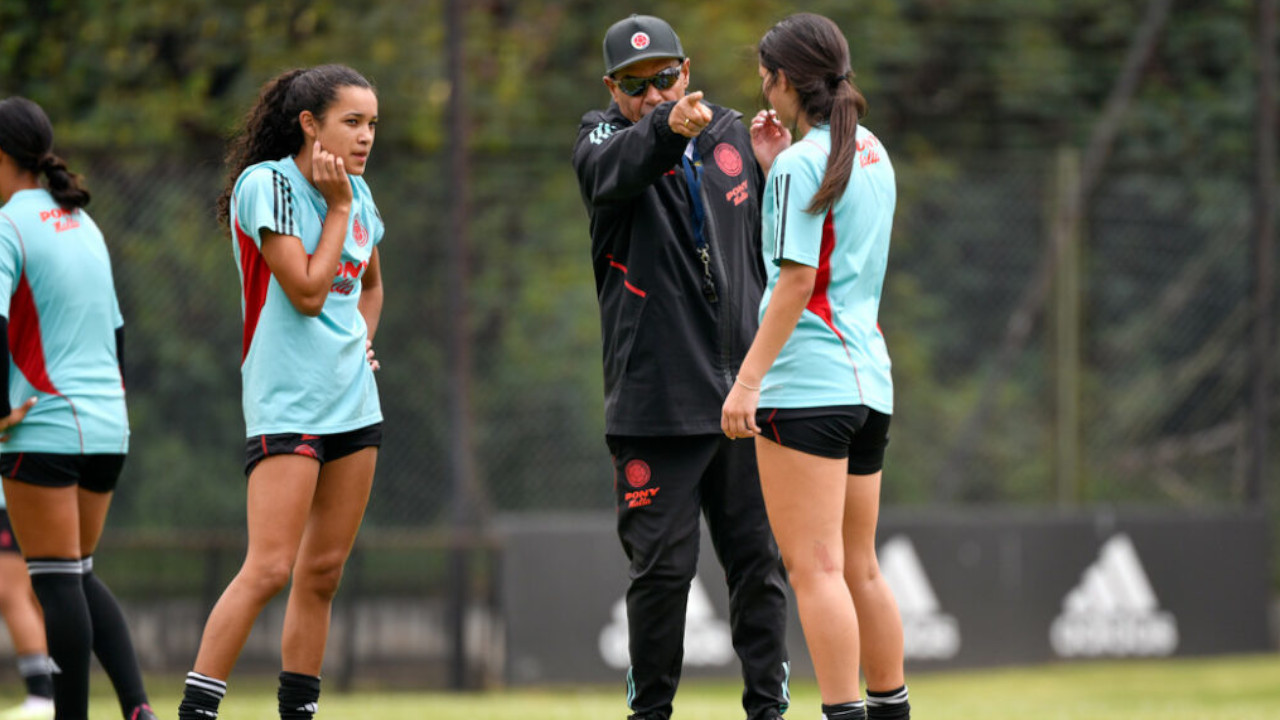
324	448
846	431
95	473
8	541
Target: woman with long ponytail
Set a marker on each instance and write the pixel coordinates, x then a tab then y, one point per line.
297	207
815	389
64	427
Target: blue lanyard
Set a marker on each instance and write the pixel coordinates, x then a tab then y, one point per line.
693	177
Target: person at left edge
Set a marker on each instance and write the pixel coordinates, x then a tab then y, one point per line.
62	456
21	611
297	207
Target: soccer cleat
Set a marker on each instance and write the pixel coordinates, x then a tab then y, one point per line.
142	712
33	708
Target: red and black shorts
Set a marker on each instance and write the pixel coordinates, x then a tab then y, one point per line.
96	473
8	541
846	431
324	448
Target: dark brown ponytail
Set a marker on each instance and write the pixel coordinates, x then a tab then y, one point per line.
64	185
813	53
271	129
26	135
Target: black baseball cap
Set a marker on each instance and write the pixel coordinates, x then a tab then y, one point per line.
639	37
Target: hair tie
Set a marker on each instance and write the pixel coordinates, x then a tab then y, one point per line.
835	80
46	162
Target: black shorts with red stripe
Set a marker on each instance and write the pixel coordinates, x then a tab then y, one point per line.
855	432
95	472
324	448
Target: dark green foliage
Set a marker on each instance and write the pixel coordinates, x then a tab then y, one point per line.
973	99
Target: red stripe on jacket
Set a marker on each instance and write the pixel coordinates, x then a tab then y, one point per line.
626	283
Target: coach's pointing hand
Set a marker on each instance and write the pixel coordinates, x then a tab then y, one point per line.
689	116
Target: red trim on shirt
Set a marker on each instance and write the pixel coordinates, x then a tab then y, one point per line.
824	150
820	304
26	344
256	278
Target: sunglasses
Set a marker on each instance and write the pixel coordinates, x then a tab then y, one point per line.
635	86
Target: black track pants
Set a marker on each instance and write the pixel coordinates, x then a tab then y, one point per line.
662	486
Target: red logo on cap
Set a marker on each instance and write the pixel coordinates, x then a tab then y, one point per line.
637	473
729	160
640	40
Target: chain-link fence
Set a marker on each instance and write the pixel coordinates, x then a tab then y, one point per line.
1132	385
1163	316
1158	314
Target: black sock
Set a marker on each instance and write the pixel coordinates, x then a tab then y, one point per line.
68	629
298	696
37	672
888	705
112	644
201	697
856	710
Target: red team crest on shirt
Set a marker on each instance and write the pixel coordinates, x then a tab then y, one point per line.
638	473
640	41
728	159
359	233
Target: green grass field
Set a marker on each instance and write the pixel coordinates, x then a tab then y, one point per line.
1238	688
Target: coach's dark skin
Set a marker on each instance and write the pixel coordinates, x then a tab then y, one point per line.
689	117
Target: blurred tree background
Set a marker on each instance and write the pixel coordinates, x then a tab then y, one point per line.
1132	382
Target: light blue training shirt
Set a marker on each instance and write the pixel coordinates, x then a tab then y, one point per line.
836	355
302	374
58	295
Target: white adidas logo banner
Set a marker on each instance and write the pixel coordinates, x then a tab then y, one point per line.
927	632
1113	611
707	641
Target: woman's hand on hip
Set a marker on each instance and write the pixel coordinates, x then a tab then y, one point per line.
14	417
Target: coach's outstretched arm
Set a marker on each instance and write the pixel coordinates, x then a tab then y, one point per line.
617	163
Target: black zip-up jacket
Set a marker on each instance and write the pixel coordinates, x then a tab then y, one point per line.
671	353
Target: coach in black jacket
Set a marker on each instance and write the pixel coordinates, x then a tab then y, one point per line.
672	188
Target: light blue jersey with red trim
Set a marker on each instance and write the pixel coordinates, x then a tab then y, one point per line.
302	374
57	292
837	354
